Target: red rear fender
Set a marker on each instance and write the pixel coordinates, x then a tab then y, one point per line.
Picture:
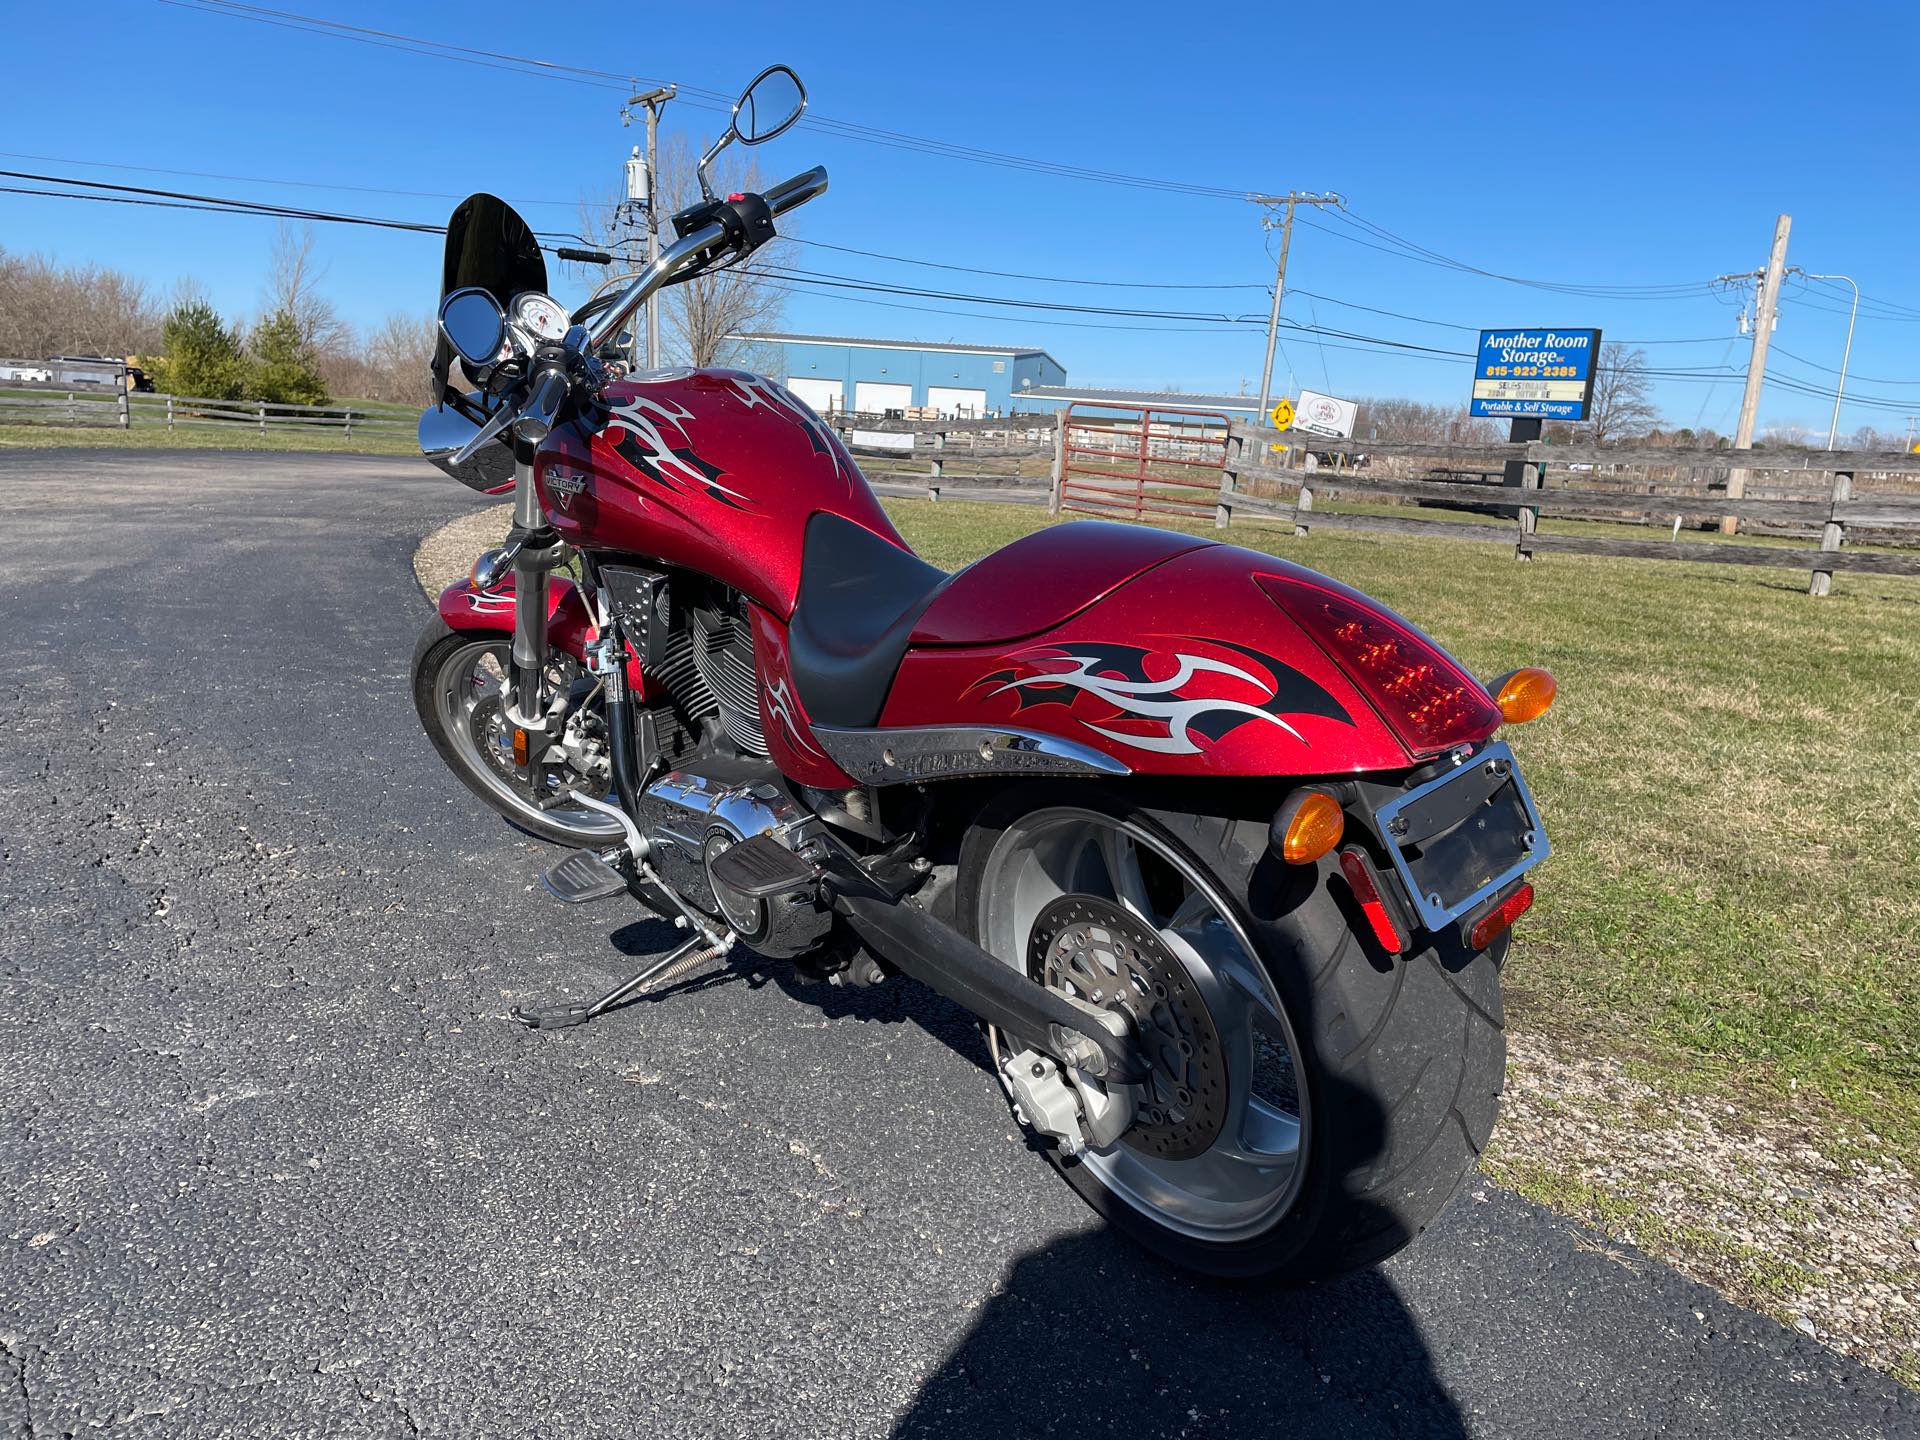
1191	668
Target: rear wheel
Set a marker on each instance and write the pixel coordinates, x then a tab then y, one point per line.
1315	1102
460	690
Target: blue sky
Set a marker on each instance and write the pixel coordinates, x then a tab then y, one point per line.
1602	146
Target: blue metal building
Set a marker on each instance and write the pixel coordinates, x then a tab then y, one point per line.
839	372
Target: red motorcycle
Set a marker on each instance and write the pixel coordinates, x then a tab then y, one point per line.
1222	853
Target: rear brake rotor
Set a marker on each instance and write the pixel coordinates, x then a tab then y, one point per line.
1092	949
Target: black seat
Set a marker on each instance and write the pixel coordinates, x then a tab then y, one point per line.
860	596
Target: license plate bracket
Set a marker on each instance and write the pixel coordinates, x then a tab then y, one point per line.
1458	839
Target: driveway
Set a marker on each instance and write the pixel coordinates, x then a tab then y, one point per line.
275	1163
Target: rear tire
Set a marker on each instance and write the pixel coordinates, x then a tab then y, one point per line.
1398	1062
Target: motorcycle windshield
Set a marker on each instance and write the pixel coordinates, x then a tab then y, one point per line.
491	247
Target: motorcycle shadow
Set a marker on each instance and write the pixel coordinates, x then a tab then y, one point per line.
1091	1335
897	1001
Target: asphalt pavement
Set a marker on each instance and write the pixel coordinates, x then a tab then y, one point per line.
276	1164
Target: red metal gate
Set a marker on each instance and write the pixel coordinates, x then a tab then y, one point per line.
1136	464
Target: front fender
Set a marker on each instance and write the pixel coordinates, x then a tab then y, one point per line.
1189	669
465	606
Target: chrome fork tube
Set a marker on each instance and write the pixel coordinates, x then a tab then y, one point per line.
531	567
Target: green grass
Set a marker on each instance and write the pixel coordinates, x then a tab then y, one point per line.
1731	779
156	436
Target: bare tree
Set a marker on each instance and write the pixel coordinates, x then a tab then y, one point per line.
293	286
398	354
1622	395
1392	418
52	309
701	317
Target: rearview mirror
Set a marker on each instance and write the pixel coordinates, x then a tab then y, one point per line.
768	106
474	323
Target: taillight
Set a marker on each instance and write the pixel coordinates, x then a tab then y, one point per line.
1430	702
1497	921
1366	889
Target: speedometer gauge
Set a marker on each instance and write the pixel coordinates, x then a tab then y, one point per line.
541	315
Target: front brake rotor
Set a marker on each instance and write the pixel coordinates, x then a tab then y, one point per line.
1092	949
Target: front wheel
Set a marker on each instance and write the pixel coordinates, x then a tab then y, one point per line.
460	683
1315	1101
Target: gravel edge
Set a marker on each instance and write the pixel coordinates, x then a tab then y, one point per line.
449	552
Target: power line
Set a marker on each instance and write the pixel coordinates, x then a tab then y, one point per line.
813	282
181	200
852	282
694	94
1021	275
816	244
1599	291
709	99
257	179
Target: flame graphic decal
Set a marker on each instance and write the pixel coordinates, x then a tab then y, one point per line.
647	447
781	706
1166	701
758	391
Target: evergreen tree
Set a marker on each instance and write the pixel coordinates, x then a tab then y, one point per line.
203	356
286	370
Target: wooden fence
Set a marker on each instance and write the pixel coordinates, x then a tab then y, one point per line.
140	410
1837	496
1692	488
1009	459
1831	497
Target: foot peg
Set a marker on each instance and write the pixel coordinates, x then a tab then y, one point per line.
580	877
761	868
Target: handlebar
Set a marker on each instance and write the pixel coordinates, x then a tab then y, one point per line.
781	198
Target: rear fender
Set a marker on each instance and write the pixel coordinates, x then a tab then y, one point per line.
1190	669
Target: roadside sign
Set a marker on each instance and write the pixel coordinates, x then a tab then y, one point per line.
1319	414
1546	373
1281	415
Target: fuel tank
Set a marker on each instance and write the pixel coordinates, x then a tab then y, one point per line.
716	470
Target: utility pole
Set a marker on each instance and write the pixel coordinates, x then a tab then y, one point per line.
1289	200
1766	306
650	182
1846	355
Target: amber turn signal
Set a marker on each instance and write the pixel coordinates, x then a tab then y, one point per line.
1308	826
1525	695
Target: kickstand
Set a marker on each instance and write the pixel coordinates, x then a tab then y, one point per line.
695	953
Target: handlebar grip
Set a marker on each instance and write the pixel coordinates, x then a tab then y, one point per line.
549	393
587	257
809	185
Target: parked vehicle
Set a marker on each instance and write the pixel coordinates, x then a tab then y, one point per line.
1223	853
